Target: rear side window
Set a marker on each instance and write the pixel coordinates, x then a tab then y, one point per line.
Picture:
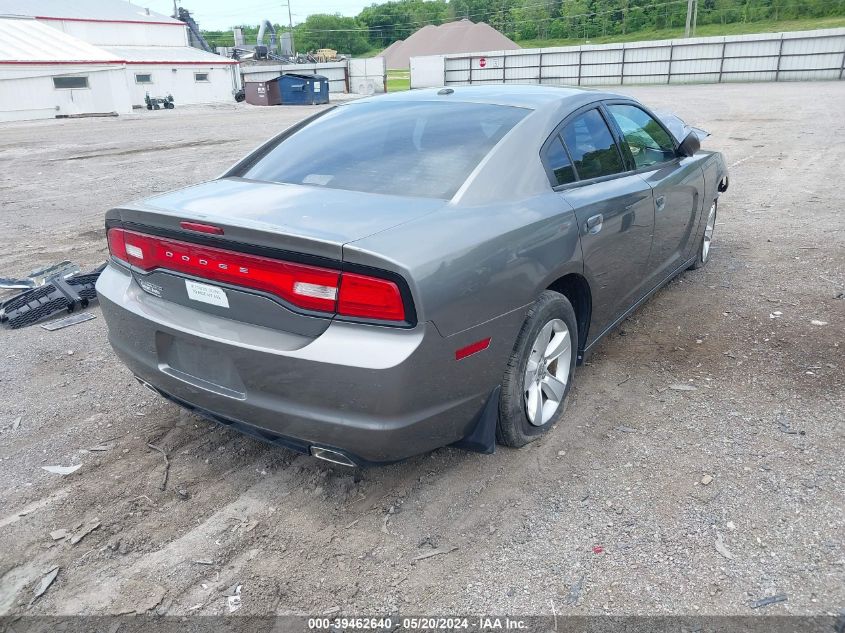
591	145
648	143
559	164
421	149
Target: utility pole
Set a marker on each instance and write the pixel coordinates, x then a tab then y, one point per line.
692	17
695	18
290	25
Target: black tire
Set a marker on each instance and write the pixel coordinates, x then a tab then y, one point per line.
701	259
514	428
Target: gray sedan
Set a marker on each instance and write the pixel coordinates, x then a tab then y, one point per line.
409	271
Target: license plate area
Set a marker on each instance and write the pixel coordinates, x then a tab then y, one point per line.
203	366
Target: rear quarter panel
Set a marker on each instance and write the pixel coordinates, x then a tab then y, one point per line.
713	169
469	265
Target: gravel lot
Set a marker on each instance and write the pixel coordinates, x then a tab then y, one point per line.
647	500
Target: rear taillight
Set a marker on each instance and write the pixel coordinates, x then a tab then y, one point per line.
370	298
305	286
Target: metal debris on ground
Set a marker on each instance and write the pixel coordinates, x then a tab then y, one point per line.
765	602
16	423
59	534
233	598
45	583
60	292
682	387
7	283
38	277
62	470
73	319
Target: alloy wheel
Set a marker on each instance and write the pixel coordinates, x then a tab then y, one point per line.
547	372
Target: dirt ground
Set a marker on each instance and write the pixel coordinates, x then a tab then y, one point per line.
646	500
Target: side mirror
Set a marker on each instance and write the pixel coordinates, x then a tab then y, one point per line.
690	145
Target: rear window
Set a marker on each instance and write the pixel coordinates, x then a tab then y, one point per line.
421	149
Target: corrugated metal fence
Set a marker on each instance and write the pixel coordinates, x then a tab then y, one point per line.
801	55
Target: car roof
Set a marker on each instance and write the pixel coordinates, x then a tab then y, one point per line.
531	96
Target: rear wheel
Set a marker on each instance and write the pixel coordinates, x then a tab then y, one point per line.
706	239
539	372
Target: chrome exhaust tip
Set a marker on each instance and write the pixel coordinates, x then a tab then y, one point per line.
335	457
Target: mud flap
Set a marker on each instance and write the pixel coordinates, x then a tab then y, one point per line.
482	437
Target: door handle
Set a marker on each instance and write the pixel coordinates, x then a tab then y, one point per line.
660	203
594	224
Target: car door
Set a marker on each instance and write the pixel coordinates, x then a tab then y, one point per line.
615	212
676	181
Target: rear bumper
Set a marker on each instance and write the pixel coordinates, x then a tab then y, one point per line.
376	394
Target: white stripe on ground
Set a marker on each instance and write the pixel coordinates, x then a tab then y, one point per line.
740	161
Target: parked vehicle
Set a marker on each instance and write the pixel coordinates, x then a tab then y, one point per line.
409	271
157	103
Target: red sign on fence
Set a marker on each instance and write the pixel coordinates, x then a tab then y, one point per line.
482	62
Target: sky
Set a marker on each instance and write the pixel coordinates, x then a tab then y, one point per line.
218	15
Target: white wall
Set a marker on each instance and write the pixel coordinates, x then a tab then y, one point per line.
800	55
427	71
367	75
27	92
179	81
122	33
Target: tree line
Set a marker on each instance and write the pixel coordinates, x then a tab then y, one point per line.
379	25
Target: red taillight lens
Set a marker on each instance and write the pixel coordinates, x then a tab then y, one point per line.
117	248
308	287
370	298
305	286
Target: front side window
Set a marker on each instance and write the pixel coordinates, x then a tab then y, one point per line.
591	145
70	83
422	149
143	78
200	76
646	139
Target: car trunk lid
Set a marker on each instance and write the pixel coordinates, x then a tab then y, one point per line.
303	225
310	220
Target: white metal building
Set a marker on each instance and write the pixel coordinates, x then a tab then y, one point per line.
108	54
44	73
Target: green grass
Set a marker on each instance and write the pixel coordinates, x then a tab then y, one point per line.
372	53
398	80
704	30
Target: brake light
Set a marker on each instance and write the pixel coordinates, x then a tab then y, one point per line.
305	286
201	228
370	298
